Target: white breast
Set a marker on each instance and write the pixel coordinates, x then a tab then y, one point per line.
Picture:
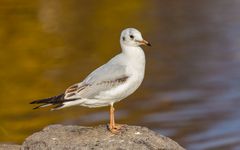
135	63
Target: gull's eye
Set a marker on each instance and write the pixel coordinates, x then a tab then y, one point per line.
123	38
131	36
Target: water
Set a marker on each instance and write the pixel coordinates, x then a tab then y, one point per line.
191	89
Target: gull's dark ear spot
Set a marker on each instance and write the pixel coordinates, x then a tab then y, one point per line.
131	36
123	38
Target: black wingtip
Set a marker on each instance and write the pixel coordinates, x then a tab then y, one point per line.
50	100
35	107
57	101
32	102
38	106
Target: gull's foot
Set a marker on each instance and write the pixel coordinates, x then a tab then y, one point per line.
119	126
116	128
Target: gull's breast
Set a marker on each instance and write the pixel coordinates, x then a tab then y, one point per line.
122	91
135	71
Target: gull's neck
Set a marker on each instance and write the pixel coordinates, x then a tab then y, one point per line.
135	57
134	52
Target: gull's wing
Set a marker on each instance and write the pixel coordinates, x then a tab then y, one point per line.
102	79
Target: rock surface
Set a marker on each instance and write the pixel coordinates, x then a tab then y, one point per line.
59	137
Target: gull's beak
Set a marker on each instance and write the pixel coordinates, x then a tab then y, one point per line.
144	42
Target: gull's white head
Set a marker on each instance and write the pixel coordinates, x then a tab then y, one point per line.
132	37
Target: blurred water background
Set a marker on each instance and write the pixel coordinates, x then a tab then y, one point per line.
191	90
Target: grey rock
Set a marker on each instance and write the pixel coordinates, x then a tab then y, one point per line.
59	137
9	147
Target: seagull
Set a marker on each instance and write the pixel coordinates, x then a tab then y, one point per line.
109	83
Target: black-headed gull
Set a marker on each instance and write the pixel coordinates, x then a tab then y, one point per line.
110	83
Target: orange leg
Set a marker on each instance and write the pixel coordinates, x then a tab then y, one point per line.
113	127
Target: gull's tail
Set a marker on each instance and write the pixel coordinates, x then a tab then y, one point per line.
56	100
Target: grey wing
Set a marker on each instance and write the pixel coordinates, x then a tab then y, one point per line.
102	79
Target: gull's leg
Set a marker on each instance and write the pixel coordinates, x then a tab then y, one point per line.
113	127
116	126
111	118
